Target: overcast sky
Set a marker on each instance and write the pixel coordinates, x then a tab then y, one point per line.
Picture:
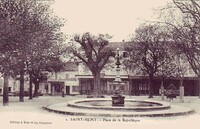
115	17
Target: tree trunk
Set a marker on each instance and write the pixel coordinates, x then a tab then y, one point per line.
30	86
181	90
162	90
199	85
96	76
5	89
56	75
21	92
36	89
63	92
150	87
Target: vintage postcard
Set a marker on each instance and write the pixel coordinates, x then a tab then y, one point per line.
74	64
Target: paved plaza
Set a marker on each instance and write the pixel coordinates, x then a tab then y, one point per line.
31	110
36	104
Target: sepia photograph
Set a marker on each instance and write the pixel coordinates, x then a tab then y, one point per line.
74	64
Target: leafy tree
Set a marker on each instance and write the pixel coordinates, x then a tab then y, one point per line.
40	67
94	53
9	42
31	31
45	45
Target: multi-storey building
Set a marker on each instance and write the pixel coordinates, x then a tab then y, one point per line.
14	85
65	81
136	84
56	84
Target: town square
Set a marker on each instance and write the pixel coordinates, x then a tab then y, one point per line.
112	63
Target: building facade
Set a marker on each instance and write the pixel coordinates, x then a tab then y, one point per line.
76	79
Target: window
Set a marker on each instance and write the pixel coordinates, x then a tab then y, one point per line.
125	54
75	88
67	76
0	90
9	89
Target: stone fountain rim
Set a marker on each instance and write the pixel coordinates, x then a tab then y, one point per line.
161	105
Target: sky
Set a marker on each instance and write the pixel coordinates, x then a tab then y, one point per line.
118	18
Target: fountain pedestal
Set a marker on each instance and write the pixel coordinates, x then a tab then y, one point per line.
118	100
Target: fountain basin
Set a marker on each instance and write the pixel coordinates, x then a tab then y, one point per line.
130	104
103	107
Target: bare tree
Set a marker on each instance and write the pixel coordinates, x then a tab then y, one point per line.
186	32
94	53
149	52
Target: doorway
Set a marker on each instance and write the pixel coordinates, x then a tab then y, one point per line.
67	90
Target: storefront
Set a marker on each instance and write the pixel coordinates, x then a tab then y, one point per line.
107	87
137	85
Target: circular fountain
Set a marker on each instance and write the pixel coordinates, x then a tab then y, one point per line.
131	108
130	105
